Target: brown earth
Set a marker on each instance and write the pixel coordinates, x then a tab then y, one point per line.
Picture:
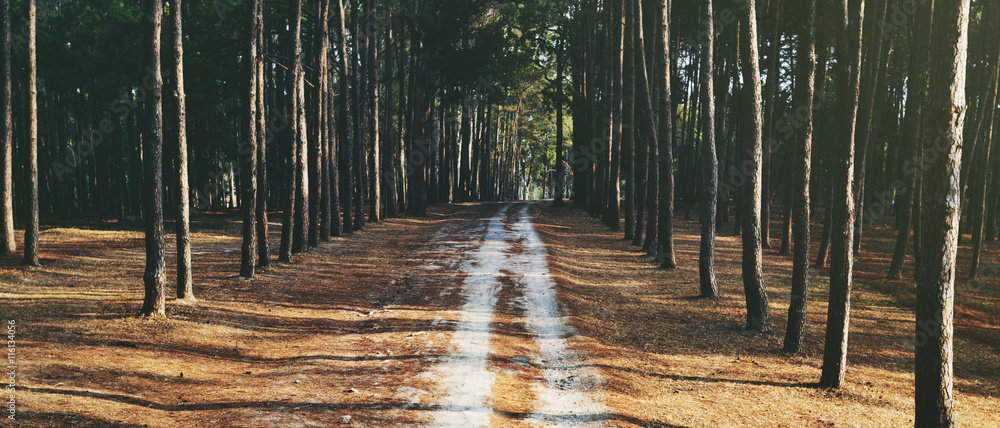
349	329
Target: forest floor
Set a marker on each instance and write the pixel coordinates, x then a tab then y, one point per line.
455	319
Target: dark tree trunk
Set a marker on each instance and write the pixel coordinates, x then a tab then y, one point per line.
849	27
805	90
343	123
185	287
31	226
248	151
628	118
154	302
612	211
665	233
753	275
263	243
934	398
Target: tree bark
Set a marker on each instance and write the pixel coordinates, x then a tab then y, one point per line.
805	90
665	233
154	302
7	238
710	166
753	276
849	25
934	397
185	287
248	150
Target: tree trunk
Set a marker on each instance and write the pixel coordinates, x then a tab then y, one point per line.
263	243
248	150
805	90
185	287
849	27
753	275
343	123
665	233
375	213
7	238
934	397
154	303
710	167
300	234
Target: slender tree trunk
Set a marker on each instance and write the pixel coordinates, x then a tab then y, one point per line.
753	275
185	287
263	243
617	27
375	213
560	168
322	122
628	118
248	153
343	122
665	233
773	80
154	303
849	27
31	228
7	238
300	237
710	167
805	90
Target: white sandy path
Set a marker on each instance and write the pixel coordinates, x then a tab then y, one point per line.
569	395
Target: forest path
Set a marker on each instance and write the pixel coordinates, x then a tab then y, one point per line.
509	363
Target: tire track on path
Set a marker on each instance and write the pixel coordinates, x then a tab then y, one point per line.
553	381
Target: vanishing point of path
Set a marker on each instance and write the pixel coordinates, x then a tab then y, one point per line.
509	360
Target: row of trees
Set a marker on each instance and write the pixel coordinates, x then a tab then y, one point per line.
665	94
333	114
671	100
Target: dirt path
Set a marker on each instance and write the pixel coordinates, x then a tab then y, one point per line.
509	361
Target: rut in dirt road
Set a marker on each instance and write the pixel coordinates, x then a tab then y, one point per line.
510	358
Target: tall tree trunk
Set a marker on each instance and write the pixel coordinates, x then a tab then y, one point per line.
7	238
710	167
753	275
375	213
665	222
616	100
154	302
628	117
805	90
31	228
263	243
773	80
343	122
849	25
323	119
866	107
934	398
300	236
560	168
185	287
249	149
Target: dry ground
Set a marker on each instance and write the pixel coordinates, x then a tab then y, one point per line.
672	359
350	328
